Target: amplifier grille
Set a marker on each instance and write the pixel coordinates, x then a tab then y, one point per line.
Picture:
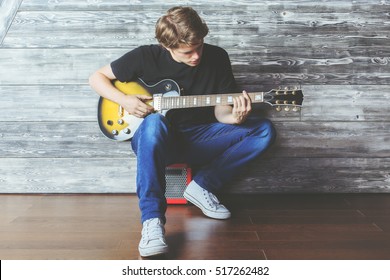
177	177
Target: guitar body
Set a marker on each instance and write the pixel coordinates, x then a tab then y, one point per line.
117	124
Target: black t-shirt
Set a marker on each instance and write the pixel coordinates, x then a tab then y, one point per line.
154	63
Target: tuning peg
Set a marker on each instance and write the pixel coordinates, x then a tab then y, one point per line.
287	108
278	108
296	109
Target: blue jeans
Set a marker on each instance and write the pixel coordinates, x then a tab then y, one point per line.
221	149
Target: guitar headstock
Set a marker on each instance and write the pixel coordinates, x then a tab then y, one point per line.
287	99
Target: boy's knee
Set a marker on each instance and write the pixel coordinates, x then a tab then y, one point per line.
269	131
152	131
154	119
266	134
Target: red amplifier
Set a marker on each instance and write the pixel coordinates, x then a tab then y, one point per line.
177	177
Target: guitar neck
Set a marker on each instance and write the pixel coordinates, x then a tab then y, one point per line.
193	101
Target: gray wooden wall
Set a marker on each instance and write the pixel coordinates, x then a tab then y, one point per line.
337	51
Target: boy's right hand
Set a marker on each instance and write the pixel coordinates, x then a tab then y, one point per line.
136	105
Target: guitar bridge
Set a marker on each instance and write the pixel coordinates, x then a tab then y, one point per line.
157	102
120	111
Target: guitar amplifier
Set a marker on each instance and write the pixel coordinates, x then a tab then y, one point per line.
177	177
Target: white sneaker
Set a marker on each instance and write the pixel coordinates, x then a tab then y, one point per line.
206	201
153	239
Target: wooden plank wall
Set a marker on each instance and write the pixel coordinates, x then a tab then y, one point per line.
337	51
8	9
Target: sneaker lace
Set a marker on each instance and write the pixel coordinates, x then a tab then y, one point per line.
212	199
152	230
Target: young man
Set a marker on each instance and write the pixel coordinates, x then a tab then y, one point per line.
220	138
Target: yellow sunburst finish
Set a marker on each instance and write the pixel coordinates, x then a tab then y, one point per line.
112	117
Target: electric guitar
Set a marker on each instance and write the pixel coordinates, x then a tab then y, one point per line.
117	124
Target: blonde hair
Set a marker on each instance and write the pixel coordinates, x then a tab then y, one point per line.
180	25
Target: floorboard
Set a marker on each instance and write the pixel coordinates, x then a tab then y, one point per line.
268	226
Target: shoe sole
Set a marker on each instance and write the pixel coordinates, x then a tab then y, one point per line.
150	252
208	213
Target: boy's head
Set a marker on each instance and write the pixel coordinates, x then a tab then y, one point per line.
180	26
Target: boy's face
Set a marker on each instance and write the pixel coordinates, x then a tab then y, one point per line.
190	55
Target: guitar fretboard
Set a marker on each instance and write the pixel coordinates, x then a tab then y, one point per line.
176	102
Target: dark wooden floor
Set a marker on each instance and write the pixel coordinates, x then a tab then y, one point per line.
280	226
